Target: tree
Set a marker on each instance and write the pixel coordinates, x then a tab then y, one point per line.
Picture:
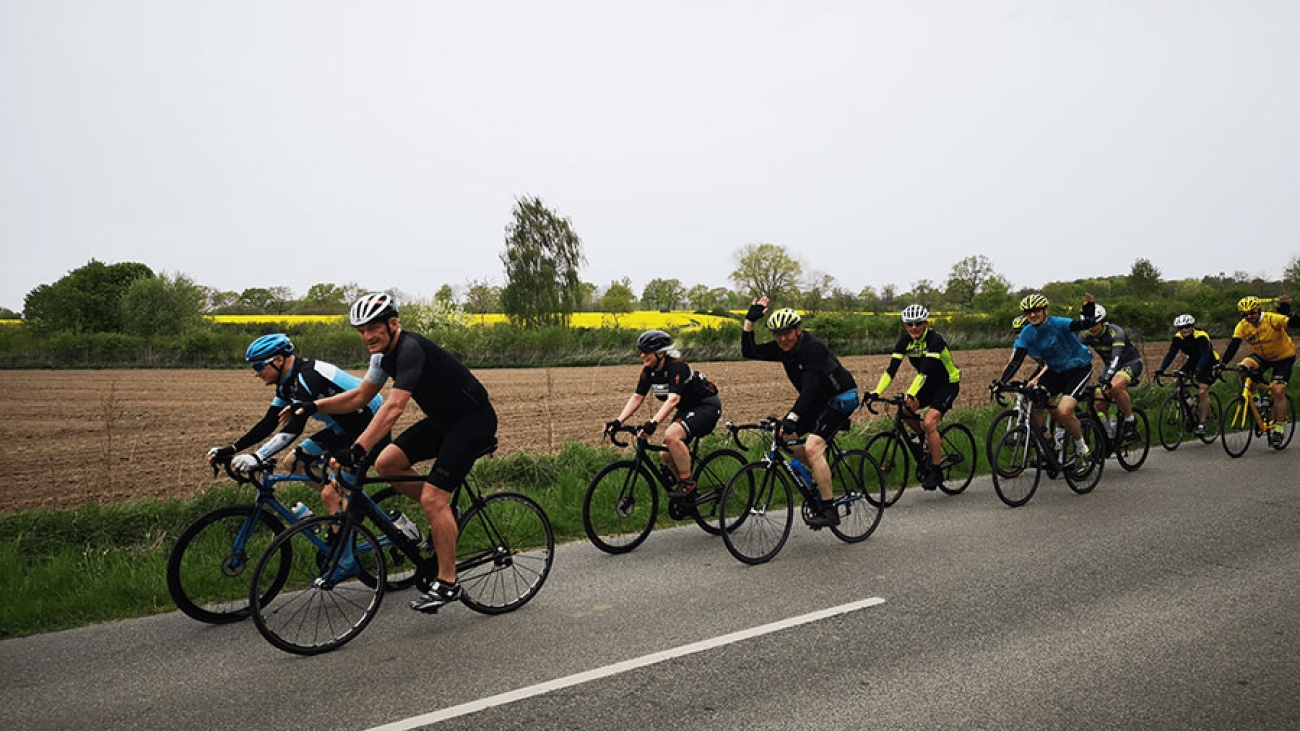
868	299
888	295
445	296
618	298
703	298
1291	276
966	279
86	300
767	269
482	298
1144	279
994	295
664	295
923	292
325	298
818	287
542	257
162	306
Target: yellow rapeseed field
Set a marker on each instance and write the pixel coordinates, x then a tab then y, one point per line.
638	320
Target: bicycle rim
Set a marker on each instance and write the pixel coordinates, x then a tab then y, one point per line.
894	461
504	553
756	513
1213	418
958	462
1083	478
1238	427
1017	467
859	488
1171	421
208	570
1131	454
712	475
619	508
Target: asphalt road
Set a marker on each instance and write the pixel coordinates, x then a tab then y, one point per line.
1168	598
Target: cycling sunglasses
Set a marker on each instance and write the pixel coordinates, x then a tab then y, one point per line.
260	365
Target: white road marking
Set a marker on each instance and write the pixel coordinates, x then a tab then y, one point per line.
621	667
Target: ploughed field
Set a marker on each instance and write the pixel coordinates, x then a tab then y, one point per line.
76	437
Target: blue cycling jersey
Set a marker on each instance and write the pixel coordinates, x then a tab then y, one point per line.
1053	341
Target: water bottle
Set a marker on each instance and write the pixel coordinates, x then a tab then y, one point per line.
405	525
1265	403
1111	423
803	471
301	512
1193	400
1059	437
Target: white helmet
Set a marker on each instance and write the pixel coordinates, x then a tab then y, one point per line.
1098	315
1184	321
371	307
915	313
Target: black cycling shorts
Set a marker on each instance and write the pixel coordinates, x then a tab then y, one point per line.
454	447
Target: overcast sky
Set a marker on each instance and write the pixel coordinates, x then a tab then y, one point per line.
257	144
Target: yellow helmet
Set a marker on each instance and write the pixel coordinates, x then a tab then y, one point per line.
1248	304
1033	302
1018	323
783	319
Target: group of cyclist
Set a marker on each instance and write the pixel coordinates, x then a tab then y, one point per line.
459	422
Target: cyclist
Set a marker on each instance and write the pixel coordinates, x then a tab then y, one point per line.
1271	348
1068	364
1202	359
936	385
297	378
1017	324
459	423
1122	364
828	395
688	397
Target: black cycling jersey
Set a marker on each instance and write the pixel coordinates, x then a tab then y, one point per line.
439	383
676	377
811	367
1197	347
310	380
929	355
1113	345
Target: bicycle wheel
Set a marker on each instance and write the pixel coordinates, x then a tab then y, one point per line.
319	608
620	506
209	568
712	474
756	512
1237	427
959	458
1002	423
1213	416
1132	452
1017	467
895	463
1289	429
504	553
1083	476
1171	422
401	569
858	487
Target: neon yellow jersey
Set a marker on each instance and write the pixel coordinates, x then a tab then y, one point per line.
1269	339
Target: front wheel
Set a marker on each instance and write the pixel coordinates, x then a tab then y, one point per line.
1171	422
1017	467
712	474
756	512
895	462
959	458
504	553
1237	427
858	488
1131	451
209	568
619	509
323	604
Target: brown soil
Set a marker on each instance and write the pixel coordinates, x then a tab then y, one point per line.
77	437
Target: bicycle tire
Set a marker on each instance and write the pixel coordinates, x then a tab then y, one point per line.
1017	467
959	458
712	473
1002	422
1289	429
854	478
504	553
620	506
1171	422
1237	427
894	460
1083	480
1213	416
1131	454
308	617
756	512
206	577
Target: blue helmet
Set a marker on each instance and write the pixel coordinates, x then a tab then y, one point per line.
269	346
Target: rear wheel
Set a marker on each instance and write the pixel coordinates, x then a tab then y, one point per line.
1082	474
1017	467
504	553
1132	451
712	475
1288	429
1213	417
756	512
959	458
895	462
620	506
859	489
1238	427
1002	423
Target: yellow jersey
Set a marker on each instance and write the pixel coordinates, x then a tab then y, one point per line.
1269	339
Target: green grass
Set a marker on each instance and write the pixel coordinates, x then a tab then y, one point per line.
63	569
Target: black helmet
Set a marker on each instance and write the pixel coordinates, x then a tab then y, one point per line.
654	341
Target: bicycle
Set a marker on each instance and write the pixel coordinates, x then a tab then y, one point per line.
1023	453
1129	449
503	555
1251	415
1180	412
756	510
896	449
206	567
621	504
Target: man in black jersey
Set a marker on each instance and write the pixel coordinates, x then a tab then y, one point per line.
459	424
828	395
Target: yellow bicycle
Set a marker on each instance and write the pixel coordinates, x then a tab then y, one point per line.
1251	415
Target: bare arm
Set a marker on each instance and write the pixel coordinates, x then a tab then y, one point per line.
385	418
